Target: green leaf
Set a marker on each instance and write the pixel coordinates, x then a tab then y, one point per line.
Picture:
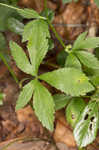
4	48
3	18
97	3
96	52
6	12
61	58
81	148
68	1
72	61
28	13
60	100
88	59
69	80
48	13
86	129
80	38
20	58
2	95
90	42
1	102
4	1
74	109
50	44
37	34
25	95
44	105
15	25
95	97
30	29
95	80
3	43
13	2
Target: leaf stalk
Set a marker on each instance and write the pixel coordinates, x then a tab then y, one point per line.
9	68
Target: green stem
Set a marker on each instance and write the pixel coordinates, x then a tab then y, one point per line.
18	9
56	34
21	82
55	66
9	68
45	4
52	27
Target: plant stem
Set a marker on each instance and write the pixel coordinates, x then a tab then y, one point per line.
45	4
52	27
9	68
55	66
19	10
56	34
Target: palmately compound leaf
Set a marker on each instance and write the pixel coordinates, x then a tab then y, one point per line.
88	59
44	105
25	95
36	33
69	80
73	61
20	58
86	129
60	100
80	38
28	13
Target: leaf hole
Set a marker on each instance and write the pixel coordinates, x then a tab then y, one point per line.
92	118
86	117
90	127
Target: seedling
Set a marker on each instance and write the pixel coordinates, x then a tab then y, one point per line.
73	79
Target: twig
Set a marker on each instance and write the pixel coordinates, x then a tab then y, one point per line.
30	139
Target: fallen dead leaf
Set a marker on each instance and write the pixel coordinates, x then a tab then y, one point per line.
32	125
63	132
74	13
27	145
